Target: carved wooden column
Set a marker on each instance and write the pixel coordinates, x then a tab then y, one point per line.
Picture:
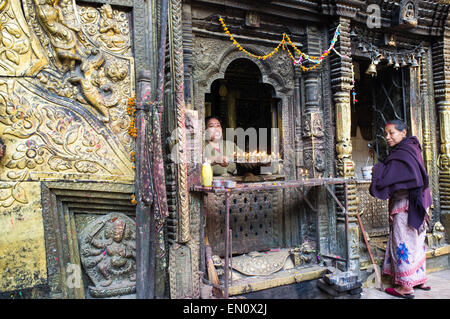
184	254
313	117
429	145
341	80
441	61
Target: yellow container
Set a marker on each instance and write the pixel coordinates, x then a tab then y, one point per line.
207	174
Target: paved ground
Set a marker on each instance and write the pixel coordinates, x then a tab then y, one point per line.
439	282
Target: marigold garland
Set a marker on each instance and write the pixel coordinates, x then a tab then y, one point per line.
131	110
313	59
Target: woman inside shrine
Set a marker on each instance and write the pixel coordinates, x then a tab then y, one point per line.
402	179
218	151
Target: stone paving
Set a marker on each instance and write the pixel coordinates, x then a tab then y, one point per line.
439	282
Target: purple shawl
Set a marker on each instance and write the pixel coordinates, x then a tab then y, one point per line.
404	169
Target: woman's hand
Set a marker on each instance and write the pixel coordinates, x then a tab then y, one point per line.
220	160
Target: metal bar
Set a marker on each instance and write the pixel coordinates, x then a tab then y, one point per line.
346	224
333	257
231	257
270	185
227	238
203	218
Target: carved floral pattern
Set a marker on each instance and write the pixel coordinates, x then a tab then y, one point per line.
49	138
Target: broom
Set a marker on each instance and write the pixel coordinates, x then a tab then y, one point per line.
212	273
377	273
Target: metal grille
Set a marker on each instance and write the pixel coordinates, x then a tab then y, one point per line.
254	221
376	216
389	100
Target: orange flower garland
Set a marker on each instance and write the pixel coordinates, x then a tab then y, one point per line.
316	60
131	110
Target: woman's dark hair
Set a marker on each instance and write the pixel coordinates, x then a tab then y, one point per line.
398	124
213	117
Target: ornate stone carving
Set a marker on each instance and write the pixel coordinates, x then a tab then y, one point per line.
19	53
108	253
82	44
61	33
50	121
2	148
113	30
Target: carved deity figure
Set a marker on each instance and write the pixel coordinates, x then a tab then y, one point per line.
109	29
108	250
62	35
408	15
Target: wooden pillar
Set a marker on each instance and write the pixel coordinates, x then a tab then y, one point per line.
441	61
145	221
429	145
341	79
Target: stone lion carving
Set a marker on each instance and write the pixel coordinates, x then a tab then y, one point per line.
108	255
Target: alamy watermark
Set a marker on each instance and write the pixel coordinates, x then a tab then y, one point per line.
374	16
252	145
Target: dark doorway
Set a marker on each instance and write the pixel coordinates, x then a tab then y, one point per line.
242	100
380	99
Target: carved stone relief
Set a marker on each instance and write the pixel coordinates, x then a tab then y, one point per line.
66	74
20	54
72	116
108	255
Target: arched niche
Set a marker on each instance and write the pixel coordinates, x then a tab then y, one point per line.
213	61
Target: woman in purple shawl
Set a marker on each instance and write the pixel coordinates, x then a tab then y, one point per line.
402	178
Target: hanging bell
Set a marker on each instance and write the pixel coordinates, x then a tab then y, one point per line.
414	63
372	69
364	49
409	60
403	62
390	61
353	34
396	65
